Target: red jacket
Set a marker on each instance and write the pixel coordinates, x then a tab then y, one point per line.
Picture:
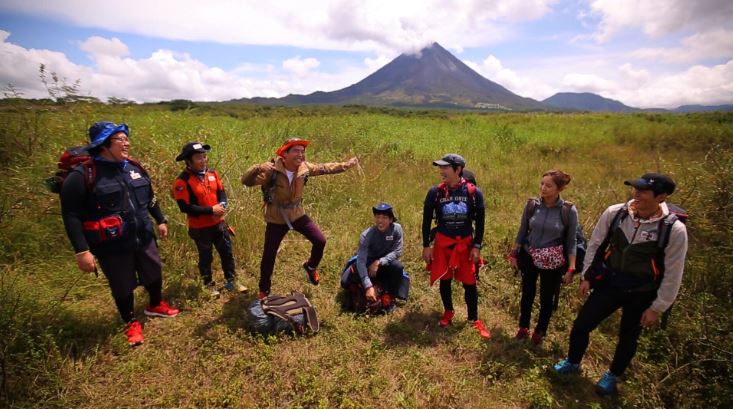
448	260
199	194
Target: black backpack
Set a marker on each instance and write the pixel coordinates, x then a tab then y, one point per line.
277	313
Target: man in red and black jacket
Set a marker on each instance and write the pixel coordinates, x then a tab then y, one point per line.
200	194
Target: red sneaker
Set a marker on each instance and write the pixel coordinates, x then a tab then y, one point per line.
162	310
261	295
485	334
313	275
134	332
523	333
446	318
537	337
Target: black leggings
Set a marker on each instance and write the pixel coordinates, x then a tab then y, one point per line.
549	284
126	305
470	295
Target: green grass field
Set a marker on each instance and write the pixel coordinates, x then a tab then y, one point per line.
61	339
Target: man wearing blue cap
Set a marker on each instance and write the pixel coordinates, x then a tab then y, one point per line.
378	258
106	205
638	251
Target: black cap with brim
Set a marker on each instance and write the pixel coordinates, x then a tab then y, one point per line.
656	182
191	148
450	160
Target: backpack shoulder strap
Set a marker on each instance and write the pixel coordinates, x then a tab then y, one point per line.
287	307
620	215
89	172
471	188
139	165
665	229
565	212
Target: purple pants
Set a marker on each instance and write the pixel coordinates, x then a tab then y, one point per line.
274	234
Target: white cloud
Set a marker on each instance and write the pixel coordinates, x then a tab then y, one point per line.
523	85
98	46
164	75
658	17
587	83
715	43
696	85
632	77
300	66
354	25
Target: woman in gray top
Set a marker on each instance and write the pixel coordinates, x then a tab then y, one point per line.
545	246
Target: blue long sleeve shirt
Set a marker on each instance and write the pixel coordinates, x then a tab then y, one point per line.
375	245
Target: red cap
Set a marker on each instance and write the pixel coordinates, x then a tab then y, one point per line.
290	143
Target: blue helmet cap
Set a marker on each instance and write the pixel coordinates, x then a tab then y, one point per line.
101	131
383	208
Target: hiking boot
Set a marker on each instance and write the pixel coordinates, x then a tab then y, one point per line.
566	367
313	275
162	310
482	331
537	337
212	290
134	332
234	286
523	333
262	295
607	384
446	319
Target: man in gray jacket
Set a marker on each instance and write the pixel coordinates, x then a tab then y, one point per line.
632	272
378	258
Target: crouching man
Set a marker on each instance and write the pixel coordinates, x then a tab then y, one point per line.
378	259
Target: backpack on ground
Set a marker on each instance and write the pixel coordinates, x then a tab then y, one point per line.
354	297
276	313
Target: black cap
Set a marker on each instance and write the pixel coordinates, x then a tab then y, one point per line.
656	182
383	208
450	159
191	148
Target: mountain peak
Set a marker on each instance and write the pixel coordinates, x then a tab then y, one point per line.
430	77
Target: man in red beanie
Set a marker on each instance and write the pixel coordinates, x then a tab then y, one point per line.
283	180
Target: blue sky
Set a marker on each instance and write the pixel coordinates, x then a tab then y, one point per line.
645	53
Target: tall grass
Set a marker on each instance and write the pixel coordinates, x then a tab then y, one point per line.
60	341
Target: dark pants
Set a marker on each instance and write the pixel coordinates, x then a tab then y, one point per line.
600	304
470	295
549	284
389	277
125	270
206	239
274	234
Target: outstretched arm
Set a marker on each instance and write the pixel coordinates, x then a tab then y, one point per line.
317	169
